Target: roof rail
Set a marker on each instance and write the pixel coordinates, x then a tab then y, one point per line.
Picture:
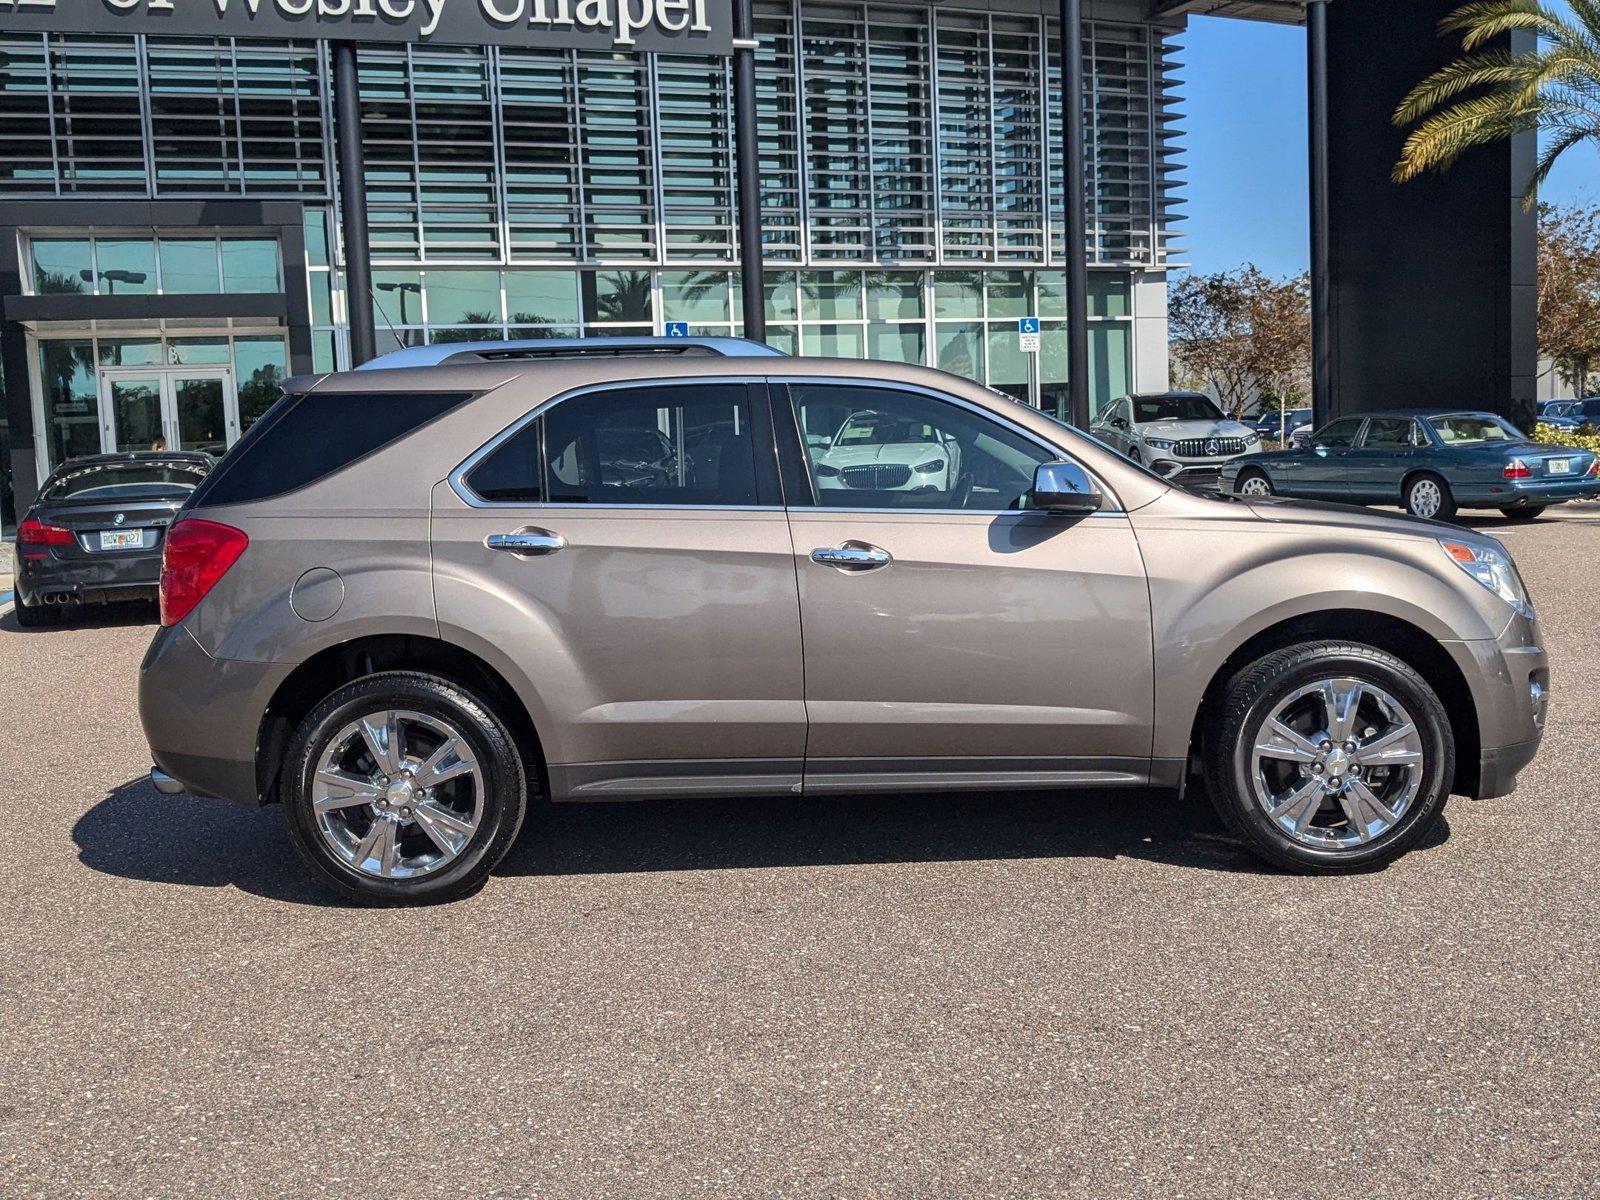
536	349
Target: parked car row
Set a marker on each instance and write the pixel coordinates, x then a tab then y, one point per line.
1570	414
1431	462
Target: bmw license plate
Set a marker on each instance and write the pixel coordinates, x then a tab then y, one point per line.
121	539
1558	466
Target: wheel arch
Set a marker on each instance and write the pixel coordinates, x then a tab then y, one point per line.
1411	644
334	666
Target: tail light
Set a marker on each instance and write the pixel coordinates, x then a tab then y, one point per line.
34	532
1594	467
1516	469
197	554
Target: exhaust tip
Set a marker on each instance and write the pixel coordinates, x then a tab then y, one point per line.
164	783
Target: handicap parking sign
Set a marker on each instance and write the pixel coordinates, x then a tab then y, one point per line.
1028	334
677	329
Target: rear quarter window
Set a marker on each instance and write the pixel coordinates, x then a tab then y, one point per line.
304	438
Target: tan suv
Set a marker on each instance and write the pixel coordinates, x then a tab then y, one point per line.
411	600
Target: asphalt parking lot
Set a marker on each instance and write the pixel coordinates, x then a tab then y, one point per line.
1084	994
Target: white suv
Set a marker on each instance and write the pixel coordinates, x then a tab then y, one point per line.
1182	436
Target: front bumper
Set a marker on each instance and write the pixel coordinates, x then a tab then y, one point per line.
1192	472
1510	682
202	715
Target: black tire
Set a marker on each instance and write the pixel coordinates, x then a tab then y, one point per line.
1532	512
35	616
1253	473
1252	694
1447	500
503	803
1133	453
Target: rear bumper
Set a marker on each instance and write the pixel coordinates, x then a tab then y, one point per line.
202	715
1516	494
88	580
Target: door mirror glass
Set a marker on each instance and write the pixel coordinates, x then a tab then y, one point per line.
1065	487
1119	422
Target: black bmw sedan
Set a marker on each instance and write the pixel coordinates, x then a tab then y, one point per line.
94	534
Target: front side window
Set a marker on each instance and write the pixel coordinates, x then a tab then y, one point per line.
872	447
683	445
1340	435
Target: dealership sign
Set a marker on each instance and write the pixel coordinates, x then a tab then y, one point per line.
682	26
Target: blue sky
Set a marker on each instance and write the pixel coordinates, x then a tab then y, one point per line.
1244	106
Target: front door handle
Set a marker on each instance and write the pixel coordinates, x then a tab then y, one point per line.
527	542
852	556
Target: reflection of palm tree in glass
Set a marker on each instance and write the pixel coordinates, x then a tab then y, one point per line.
626	298
259	393
489	334
58	282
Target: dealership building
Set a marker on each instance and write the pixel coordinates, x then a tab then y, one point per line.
171	227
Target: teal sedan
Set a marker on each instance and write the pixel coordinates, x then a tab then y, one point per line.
1429	461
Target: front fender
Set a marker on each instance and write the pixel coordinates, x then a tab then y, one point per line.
1205	606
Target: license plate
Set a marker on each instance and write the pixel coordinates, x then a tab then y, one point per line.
121	539
1558	466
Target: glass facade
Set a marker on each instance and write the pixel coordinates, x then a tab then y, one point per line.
909	163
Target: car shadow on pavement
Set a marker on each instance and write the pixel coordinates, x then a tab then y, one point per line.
92	616
137	833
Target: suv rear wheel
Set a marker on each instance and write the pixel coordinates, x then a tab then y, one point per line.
1329	757
403	788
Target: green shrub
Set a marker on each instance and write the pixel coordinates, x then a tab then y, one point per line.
1585	437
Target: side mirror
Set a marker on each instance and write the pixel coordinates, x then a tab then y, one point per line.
1119	422
1065	487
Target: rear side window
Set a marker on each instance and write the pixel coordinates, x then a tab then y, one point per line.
305	438
674	446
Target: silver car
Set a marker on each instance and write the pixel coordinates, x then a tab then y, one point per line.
411	602
1181	436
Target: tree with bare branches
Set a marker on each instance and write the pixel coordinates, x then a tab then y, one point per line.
1242	334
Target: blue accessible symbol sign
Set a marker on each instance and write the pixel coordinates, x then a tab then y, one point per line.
1028	334
678	329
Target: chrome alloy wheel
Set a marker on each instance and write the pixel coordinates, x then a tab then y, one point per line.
1426	498
397	794
1255	485
1337	764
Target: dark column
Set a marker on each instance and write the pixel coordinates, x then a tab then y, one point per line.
1317	107
1075	243
747	168
14	366
1431	282
353	202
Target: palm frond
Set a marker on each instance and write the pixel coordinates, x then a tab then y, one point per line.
1555	86
1481	70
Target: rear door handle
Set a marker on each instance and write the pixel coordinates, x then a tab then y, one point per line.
526	543
852	556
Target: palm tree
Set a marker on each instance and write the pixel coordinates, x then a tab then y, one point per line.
1491	92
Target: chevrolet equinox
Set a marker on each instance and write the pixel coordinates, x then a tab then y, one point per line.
409	600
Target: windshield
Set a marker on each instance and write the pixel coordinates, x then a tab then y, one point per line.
1474	430
1175	407
128	481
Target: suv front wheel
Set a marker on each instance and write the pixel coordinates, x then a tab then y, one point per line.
1329	757
403	788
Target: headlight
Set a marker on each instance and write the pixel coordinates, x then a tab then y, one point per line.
1492	569
1250	439
1158	443
929	467
827	471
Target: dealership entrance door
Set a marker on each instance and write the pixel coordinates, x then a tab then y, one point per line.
168	408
